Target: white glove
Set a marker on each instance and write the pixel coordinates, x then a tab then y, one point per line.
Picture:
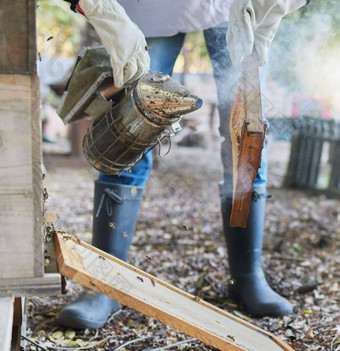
254	22
122	39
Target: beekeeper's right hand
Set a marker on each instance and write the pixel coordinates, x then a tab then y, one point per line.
122	39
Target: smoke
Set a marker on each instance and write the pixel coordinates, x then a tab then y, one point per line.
305	58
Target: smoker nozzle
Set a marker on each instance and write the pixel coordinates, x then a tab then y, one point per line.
161	97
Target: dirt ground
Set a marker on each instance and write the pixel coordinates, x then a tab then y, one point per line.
180	229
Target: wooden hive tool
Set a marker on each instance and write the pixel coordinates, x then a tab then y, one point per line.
247	132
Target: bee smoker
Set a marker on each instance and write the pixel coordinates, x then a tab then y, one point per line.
128	122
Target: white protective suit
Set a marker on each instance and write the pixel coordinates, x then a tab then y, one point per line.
163	18
251	23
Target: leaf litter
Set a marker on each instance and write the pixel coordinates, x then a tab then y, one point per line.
180	229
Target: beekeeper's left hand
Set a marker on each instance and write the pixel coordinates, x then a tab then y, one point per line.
254	23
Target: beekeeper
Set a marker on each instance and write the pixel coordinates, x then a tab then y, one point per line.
232	29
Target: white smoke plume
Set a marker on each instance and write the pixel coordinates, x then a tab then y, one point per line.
305	58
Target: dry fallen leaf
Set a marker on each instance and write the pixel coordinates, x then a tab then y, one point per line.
310	334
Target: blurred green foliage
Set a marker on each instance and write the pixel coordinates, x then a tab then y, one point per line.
58	28
194	56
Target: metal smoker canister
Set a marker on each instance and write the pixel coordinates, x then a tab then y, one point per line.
146	113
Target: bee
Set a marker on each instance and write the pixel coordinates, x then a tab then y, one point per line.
231	337
67	237
148	257
92	283
152	282
185	227
124	235
140	278
101	257
196	298
45	194
76	239
112	225
49	38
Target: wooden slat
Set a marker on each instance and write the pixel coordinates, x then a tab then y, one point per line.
51	265
18	51
6	322
21	249
145	293
48	284
19	303
334	181
247	132
290	177
37	186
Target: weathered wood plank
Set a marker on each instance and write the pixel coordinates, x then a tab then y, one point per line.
334	181
49	284
6	322
21	249
15	134
143	292
16	238
36	147
51	265
290	177
18	51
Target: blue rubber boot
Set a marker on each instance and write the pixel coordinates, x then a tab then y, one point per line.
248	284
115	214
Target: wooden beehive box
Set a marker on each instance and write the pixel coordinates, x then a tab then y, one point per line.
21	194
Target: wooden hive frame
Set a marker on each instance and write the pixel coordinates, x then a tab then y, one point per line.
247	132
145	293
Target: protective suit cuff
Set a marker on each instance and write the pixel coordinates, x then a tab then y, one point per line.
80	10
